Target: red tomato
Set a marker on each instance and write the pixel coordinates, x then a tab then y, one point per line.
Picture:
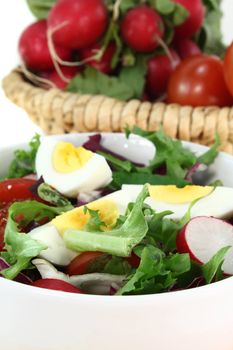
54	284
16	189
80	264
228	68
134	260
199	81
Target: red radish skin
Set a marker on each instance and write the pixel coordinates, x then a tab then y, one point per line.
104	64
78	23
182	245
203	237
34	51
195	20
55	284
187	48
142	29
159	71
68	72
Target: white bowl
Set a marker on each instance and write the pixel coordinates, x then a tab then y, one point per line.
39	319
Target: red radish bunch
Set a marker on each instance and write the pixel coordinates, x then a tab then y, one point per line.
160	69
142	29
67	72
104	63
187	48
34	51
109	36
78	24
203	237
196	13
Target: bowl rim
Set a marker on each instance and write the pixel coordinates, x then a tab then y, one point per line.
132	299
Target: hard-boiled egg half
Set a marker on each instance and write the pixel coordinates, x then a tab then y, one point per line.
109	208
71	170
217	202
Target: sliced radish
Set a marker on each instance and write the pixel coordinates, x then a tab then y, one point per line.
203	237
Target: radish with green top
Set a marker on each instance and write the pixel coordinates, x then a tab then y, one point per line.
142	29
160	68
196	14
77	24
34	51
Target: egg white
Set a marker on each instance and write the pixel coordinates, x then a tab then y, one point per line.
219	203
57	253
95	174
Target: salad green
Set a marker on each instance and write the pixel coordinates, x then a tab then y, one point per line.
138	254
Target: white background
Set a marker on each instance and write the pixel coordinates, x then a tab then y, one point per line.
14	16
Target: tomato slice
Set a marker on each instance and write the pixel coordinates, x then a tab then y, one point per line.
55	284
79	265
133	260
16	189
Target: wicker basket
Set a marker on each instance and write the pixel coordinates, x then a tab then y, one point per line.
56	111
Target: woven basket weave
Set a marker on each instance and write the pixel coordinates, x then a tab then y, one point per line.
56	111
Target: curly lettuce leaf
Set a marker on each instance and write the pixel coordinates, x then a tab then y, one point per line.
24	161
172	155
21	248
156	273
213	266
119	241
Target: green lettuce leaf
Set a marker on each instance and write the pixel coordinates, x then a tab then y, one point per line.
119	241
24	161
209	157
172	154
50	195
156	272
123	178
21	248
211	268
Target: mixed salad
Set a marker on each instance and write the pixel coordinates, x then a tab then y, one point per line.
87	220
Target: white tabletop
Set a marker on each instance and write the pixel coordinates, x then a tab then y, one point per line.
14	16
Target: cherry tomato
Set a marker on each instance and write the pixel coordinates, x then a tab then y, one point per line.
55	284
80	264
199	81
16	189
133	260
228	68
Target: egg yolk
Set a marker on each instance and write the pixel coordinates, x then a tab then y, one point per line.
175	195
68	158
77	219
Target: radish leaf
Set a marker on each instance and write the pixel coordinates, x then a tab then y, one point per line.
94	82
40	8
